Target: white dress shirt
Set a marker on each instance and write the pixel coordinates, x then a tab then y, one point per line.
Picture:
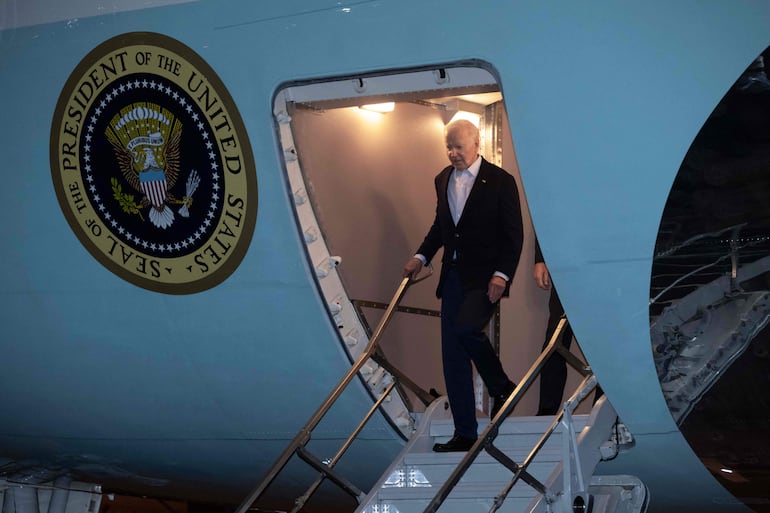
460	185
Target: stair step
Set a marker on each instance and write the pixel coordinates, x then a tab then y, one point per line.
461	491
545	455
474	500
484	480
521	444
520	433
511	426
437	467
436	475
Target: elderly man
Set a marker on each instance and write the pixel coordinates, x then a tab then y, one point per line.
478	223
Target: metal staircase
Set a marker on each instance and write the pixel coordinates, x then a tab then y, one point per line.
517	465
415	479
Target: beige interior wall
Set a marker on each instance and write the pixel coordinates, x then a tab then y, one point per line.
371	179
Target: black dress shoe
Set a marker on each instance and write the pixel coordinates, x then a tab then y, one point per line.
456	444
499	400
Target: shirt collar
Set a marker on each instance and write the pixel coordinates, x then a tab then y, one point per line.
474	168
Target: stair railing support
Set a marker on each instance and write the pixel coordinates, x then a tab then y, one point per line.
296	446
574	486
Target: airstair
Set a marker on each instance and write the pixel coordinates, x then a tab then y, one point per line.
417	480
517	465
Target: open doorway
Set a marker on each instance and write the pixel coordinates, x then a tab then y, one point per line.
362	184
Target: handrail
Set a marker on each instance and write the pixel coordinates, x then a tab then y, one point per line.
485	441
297	445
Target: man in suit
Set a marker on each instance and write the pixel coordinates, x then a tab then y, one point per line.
553	377
478	223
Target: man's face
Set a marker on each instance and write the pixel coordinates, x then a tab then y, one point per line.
462	148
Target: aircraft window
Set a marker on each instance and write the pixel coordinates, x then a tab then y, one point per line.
710	289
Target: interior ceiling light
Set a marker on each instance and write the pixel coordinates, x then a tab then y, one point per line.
455	109
470	116
379	107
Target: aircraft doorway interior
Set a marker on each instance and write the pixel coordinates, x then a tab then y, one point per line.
710	290
361	155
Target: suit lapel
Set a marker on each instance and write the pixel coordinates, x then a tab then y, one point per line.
443	205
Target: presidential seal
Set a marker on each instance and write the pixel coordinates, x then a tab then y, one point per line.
152	166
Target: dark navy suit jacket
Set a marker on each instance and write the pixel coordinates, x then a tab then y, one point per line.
489	235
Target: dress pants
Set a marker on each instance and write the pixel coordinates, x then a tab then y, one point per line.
464	315
553	377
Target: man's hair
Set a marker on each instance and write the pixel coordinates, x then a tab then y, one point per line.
464	125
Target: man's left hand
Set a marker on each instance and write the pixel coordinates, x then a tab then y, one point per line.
495	289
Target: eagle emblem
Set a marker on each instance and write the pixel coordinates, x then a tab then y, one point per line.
146	140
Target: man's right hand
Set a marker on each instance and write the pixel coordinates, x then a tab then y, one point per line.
412	268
